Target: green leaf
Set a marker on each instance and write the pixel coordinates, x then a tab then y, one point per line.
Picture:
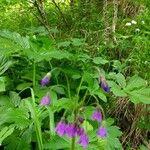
58	89
88	112
78	42
142	147
139	96
134	83
23	85
17	116
63	103
100	60
62	143
4	64
15	98
87	126
101	95
5	132
25	140
116	89
16	37
64	44
2	84
121	80
5	101
114	131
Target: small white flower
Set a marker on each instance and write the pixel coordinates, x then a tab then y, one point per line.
133	22
143	22
128	24
137	30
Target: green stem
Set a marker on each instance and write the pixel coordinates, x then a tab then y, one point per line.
36	122
73	139
68	86
34	73
73	143
78	90
51	121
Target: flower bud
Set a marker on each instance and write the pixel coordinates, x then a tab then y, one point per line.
45	81
45	100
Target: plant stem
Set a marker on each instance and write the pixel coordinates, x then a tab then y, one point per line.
34	73
36	122
68	86
51	121
78	90
73	143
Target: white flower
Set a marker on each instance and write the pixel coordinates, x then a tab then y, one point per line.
143	22
137	30
128	24
133	22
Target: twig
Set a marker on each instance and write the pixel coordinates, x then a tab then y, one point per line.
43	17
114	21
61	13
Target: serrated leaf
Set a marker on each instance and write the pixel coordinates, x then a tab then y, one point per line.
116	89
134	83
121	80
114	131
63	103
25	140
16	37
4	64
15	98
62	143
137	96
5	132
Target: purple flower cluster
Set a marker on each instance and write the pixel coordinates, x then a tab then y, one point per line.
104	85
97	116
71	130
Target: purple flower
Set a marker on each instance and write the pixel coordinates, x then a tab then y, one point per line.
104	84
45	100
102	132
84	140
80	131
45	81
60	128
97	116
71	130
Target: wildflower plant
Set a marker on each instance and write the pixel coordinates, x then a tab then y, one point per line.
68	104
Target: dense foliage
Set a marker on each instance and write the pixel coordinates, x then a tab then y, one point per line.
74	74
